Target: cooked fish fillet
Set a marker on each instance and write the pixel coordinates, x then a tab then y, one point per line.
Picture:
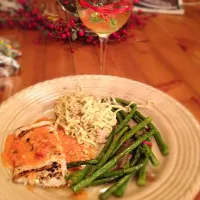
41	158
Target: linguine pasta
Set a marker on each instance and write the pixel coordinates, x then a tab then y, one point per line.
88	118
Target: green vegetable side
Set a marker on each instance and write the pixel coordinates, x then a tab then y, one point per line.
105	168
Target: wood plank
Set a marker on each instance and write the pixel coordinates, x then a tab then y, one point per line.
85	59
58	61
32	60
186	38
126	65
168	52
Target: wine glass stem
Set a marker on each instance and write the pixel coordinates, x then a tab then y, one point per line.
103	47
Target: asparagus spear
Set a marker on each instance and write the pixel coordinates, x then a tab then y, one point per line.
142	174
111	148
110	190
79	163
151	155
136	157
79	175
121	190
121	172
89	168
121	129
127	119
139	117
129	134
119	117
87	181
122	101
105	180
159	140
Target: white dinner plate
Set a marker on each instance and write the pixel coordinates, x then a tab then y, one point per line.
178	176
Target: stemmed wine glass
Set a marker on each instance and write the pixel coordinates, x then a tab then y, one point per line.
104	17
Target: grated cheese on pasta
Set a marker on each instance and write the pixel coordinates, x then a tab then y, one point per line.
88	118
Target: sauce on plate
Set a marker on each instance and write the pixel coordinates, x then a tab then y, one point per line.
19	151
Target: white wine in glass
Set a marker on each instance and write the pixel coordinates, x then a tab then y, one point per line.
104	17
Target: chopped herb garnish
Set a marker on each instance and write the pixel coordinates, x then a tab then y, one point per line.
95	18
113	23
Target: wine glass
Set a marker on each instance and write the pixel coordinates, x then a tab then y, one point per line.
104	17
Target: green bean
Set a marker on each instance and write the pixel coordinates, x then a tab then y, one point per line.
68	176
104	180
107	145
114	187
136	157
127	119
161	144
159	140
87	181
142	174
111	148
103	151
119	117
79	163
129	134
121	172
79	175
122	113
120	191
151	155
122	101
148	152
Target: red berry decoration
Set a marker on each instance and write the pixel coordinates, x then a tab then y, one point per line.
51	26
72	50
49	34
63	36
81	33
29	17
124	31
94	42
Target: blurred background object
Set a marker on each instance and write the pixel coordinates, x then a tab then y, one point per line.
8	54
161	6
6	5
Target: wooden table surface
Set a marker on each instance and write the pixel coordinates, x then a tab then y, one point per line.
169	61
